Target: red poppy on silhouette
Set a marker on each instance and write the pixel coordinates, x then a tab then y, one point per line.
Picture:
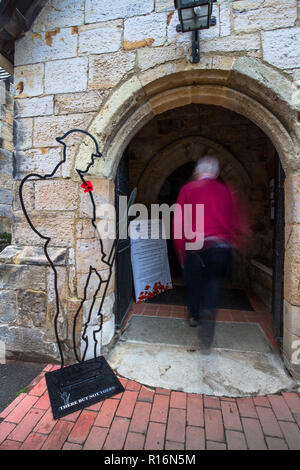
87	186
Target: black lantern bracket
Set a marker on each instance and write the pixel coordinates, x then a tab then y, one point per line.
195	15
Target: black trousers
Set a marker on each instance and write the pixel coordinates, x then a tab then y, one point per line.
202	271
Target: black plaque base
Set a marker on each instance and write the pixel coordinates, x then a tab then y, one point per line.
80	385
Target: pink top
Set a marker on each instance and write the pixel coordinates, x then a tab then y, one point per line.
222	215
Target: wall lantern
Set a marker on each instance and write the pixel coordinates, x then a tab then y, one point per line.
193	16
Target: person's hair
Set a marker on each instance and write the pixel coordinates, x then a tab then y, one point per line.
208	166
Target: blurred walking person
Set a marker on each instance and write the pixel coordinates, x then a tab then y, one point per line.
206	254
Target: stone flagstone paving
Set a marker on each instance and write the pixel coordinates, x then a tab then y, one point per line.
153	419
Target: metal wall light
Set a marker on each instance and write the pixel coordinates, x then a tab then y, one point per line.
194	15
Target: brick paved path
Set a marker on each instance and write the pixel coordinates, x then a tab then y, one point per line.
159	419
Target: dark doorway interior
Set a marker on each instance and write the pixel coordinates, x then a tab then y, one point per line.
248	163
168	195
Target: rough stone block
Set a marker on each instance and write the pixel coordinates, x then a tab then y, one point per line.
27	194
60	14
72	307
56	195
71	257
6	165
242	42
108	327
108	330
62	284
100	38
5	196
22	277
28	343
28	80
46	129
297	75
141	31
93	284
59	227
5	210
46	46
292	199
34	106
281	47
267	15
148	57
291	319
106	231
106	309
34	255
292	264
108	305
5	180
65	76
41	161
90	289
164	5
31	308
5	224
8	306
62	324
71	102
103	194
97	10
90	312
273	83
85	230
104	190
106	70
88	254
125	97
23	133
10	254
291	352
225	18
72	281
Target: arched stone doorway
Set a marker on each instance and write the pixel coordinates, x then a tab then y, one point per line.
161	160
245	86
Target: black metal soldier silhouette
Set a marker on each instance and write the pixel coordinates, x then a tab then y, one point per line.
109	261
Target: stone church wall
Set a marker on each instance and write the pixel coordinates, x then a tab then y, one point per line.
75	58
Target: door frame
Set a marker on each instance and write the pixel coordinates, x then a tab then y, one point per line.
278	252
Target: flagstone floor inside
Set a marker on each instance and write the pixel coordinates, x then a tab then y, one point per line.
259	315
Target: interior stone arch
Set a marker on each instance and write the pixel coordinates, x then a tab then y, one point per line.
182	151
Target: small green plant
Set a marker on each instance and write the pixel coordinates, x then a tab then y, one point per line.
5	240
20	391
5	236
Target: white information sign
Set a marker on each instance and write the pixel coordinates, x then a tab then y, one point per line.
149	259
